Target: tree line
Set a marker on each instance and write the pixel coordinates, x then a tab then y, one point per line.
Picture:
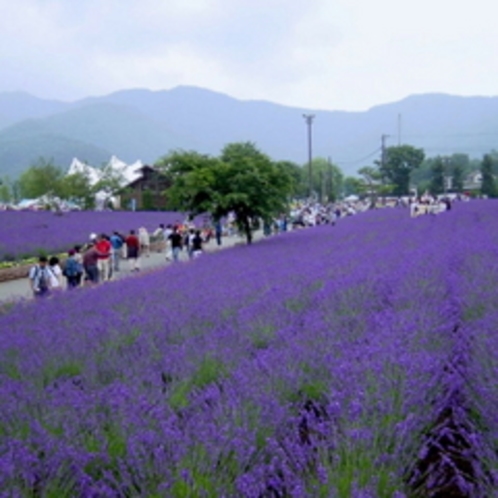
243	166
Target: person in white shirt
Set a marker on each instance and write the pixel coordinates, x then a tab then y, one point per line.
56	273
167	233
144	238
40	278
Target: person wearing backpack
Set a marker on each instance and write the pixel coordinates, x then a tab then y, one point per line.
117	243
72	270
40	277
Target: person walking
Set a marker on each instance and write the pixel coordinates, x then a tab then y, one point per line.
90	264
167	232
103	247
117	243
176	243
189	237
56	276
144	238
79	259
72	270
133	251
218	232
159	238
196	244
40	277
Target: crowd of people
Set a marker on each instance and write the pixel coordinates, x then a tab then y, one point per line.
101	258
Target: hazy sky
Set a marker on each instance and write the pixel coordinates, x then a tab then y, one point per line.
324	54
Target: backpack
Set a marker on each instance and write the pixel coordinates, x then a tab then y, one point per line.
71	268
117	241
42	276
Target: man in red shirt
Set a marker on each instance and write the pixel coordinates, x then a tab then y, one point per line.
132	250
103	247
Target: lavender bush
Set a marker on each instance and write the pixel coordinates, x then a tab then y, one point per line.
25	233
354	360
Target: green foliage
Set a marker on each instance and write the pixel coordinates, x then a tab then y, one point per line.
398	165
372	183
110	181
193	177
353	186
488	186
42	178
438	174
52	372
242	180
6	194
295	173
457	174
326	180
209	371
77	188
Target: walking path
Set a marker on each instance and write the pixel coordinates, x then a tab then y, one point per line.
16	289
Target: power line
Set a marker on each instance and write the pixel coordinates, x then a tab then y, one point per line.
454	135
376	151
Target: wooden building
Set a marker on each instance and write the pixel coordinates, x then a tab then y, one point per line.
146	192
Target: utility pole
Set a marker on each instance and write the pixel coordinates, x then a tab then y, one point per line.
309	122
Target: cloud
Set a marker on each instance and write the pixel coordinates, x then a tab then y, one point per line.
311	53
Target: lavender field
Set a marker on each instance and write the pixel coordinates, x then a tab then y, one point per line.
26	233
349	361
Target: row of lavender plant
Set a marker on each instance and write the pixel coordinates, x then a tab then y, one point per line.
26	233
312	364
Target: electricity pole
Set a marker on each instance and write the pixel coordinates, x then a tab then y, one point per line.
309	122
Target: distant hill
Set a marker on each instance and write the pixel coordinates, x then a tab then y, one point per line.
17	106
143	124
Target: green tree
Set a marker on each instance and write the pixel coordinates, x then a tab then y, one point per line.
372	183
353	186
193	177
488	186
42	178
398	164
438	176
77	188
6	195
458	178
242	180
326	180
294	172
110	183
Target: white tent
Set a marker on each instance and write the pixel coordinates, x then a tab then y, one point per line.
127	173
92	173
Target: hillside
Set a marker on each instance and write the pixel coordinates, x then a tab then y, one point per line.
143	124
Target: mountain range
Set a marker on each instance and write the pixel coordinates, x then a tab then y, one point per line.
145	125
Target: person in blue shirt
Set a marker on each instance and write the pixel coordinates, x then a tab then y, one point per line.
117	247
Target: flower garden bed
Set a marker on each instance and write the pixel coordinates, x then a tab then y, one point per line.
348	361
24	234
16	271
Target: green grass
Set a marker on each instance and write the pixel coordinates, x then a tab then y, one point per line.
210	370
